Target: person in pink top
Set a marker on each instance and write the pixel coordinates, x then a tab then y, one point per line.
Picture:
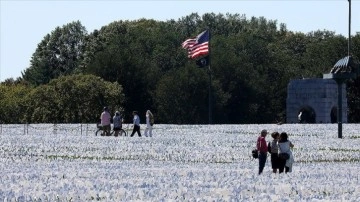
262	149
105	118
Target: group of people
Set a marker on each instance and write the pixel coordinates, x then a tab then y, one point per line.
105	121
279	149
149	124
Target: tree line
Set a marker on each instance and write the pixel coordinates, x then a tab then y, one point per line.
140	65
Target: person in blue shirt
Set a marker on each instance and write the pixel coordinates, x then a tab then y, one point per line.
136	122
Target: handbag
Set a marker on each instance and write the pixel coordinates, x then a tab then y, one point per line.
284	156
255	153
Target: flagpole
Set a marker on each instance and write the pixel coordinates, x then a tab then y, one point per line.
349	40
210	95
210	84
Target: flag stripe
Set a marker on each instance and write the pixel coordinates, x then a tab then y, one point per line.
197	46
188	43
198	50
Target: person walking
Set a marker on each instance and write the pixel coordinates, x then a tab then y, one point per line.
117	120
136	122
149	123
285	147
262	149
273	150
105	119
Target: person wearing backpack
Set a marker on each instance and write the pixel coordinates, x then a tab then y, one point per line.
149	123
273	150
262	150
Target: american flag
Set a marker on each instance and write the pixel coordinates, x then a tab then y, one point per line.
197	46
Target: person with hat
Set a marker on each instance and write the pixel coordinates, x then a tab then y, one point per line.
117	120
262	149
105	118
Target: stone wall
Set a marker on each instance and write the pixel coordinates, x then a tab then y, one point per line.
318	94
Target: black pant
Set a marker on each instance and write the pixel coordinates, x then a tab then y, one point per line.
136	129
282	163
262	161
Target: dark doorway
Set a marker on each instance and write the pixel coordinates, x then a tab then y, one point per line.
333	115
307	115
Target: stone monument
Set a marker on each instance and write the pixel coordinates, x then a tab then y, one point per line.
315	100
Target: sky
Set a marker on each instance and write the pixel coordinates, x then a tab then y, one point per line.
24	23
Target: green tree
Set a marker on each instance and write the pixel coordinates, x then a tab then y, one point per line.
73	99
59	53
252	62
133	54
12	106
184	101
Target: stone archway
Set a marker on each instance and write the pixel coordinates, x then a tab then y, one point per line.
317	97
333	115
307	115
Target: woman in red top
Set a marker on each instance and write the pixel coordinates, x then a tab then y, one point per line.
262	149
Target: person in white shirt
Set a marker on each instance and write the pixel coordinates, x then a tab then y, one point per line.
285	146
136	121
149	123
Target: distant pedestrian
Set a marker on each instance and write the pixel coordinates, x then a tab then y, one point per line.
105	118
285	147
117	120
274	149
262	149
149	123
136	122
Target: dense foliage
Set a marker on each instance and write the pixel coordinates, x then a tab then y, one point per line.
252	62
67	99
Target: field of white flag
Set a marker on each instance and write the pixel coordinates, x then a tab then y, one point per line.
46	162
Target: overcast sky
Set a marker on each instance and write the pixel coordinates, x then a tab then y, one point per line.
25	23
